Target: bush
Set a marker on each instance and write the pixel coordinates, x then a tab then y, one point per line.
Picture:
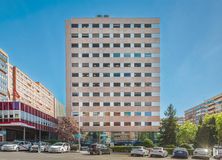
122	148
170	146
185	145
148	143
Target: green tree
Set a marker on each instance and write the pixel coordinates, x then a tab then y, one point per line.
186	133
148	143
219	127
168	127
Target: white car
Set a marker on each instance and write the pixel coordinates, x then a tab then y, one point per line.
158	151
202	153
35	147
139	151
59	147
16	146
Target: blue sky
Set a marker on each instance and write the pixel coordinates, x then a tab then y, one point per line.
33	34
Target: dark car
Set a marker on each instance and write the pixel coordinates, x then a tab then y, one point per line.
180	153
99	149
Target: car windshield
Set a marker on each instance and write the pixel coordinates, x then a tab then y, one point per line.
201	150
180	149
157	148
58	144
15	142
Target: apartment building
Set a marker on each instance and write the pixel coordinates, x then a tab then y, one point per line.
113	74
28	106
3	75
210	106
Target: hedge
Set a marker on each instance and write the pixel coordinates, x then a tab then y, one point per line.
122	148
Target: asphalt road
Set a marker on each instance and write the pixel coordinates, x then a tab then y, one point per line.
69	156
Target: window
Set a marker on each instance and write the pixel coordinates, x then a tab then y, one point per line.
137	123
75	74
147	113
137	64
116	54
96	124
127	94
147	93
127	84
85	123
107	113
106	25
116	113
85	74
116	84
75	45
75	55
137	74
116	65
137	103
116	25
85	84
95	113
127	113
127	35
85	25
85	94
106	74
117	104
137	113
95	45
85	35
148	103
106	35
127	45
95	54
74	25
75	94
106	84
75	84
147	123
148	64
116	123
95	35
148	74
85	65
106	123
148	55
137	55
116	94
106	55
127	25
106	64
127	65
75	35
95	25
85	104
75	64
95	74
127	124
85	55
137	35
137	25
116	74
127	74
106	104
106	94
147	45
127	104
95	64
75	104
147	84
96	85
137	84
85	45
116	35
96	104
106	45
147	25
74	114
147	35
116	45
137	45
137	94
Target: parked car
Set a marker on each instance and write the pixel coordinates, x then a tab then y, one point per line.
158	151
44	146
16	146
139	151
217	152
180	153
2	143
59	147
99	149
202	153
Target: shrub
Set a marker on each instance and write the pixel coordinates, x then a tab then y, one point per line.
148	143
122	148
185	145
170	146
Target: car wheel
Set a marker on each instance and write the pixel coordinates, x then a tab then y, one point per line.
100	153
17	149
91	153
151	155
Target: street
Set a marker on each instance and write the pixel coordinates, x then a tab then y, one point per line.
69	156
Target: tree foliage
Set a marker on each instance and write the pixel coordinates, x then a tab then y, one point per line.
67	127
186	133
148	143
168	127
